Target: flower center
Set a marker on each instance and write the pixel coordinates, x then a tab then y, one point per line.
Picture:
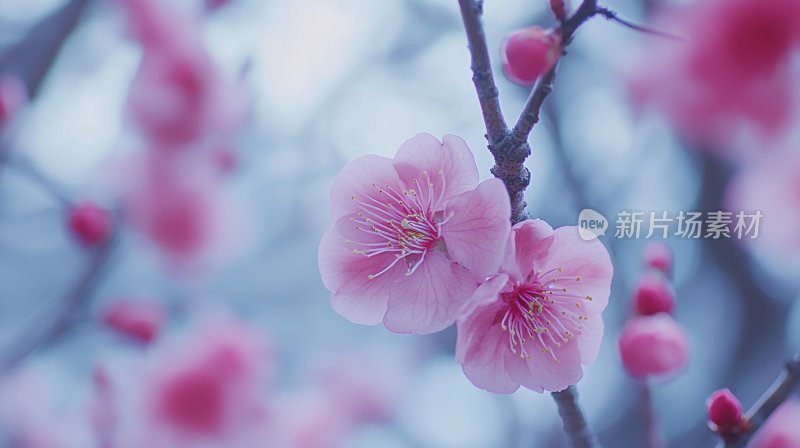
407	224
542	313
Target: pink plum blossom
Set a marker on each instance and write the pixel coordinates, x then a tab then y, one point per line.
177	201
177	97
653	346
733	73
413	236
781	429
770	187
206	388
538	321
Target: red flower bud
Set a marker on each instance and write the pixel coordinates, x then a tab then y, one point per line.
559	9
658	256
725	413
89	223
527	54
653	346
653	295
140	320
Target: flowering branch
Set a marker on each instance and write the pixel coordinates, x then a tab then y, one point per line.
580	435
783	387
510	150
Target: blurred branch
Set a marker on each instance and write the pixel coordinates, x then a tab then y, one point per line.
32	57
614	17
783	387
652	432
55	317
580	435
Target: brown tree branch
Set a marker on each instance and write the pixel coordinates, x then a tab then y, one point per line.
482	76
579	432
780	390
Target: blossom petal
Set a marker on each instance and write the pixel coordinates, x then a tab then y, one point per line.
586	262
590	339
477	232
530	240
358	179
543	372
450	160
486	293
428	300
346	275
481	348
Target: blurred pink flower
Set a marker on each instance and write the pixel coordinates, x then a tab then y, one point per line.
734	70
770	186
538	321
12	98
208	386
725	414
34	411
310	419
781	429
89	223
177	96
412	236
364	384
138	319
177	201
653	294
653	346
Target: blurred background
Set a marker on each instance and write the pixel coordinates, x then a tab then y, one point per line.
326	81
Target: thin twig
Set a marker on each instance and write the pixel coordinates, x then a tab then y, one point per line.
780	390
613	16
653	436
580	435
55	317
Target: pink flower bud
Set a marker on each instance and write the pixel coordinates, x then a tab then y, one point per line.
89	223
12	98
658	256
653	295
725	413
527	54
559	9
653	346
137	319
